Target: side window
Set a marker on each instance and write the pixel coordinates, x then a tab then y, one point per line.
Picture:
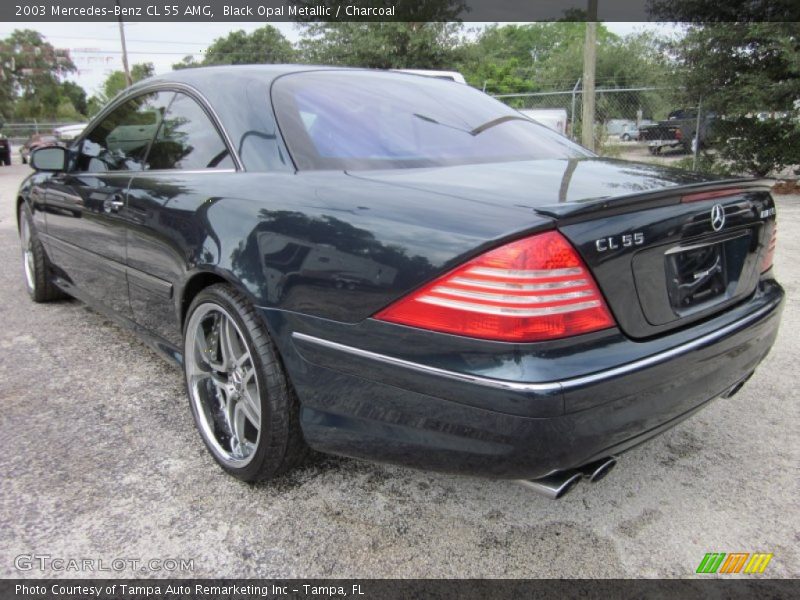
119	142
188	139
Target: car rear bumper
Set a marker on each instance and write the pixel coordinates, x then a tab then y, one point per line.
379	406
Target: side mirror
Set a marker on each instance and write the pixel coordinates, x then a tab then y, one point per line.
51	158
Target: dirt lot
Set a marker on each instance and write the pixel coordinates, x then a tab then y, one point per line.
100	460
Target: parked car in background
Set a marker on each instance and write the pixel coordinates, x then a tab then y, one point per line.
5	150
37	140
68	133
402	269
626	129
679	131
552	118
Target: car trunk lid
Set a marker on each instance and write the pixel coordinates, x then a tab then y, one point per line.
645	231
667	259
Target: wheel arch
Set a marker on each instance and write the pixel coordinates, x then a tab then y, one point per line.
200	280
18	209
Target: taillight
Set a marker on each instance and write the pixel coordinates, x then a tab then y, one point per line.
533	289
769	255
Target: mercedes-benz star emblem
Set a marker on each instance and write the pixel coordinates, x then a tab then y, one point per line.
717	217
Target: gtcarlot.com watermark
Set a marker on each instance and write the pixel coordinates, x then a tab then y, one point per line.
61	564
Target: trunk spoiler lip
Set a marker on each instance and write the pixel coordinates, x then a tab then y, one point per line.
589	207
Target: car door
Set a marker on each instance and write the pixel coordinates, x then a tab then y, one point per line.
166	203
85	206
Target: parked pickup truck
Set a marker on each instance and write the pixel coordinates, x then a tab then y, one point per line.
678	131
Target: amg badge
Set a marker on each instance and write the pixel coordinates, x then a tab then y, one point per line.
620	241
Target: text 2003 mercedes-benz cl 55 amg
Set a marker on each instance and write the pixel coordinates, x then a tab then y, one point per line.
395	267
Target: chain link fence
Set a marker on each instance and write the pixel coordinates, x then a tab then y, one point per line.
634	123
18	132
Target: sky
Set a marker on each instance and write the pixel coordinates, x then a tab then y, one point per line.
95	47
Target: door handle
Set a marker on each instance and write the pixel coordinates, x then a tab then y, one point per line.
113	205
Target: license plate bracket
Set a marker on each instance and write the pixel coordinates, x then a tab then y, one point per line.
704	274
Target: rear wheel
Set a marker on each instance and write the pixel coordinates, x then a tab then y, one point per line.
241	399
35	263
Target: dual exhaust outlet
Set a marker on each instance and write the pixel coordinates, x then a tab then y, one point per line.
556	485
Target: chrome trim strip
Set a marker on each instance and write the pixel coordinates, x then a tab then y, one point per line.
525	274
553	386
399	362
157	86
510	299
524	287
509	311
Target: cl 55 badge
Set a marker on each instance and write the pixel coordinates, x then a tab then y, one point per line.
619	241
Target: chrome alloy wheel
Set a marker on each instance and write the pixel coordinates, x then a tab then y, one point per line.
222	382
27	251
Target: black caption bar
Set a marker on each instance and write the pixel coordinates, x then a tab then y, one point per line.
396	10
392	589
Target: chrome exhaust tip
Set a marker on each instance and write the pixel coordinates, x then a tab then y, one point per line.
734	389
598	469
553	486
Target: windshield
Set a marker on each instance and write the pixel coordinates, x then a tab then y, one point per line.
371	120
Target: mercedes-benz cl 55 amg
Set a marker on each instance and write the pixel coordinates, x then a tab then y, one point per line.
400	268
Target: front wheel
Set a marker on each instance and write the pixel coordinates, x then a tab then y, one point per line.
35	263
241	399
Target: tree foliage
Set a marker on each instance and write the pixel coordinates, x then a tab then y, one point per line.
382	45
31	78
407	42
749	74
262	46
549	56
115	83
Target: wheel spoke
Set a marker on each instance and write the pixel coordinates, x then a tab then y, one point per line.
223	383
240	428
251	407
227	343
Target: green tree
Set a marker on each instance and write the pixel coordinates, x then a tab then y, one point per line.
742	71
382	45
430	39
115	83
31	71
187	62
263	46
76	96
549	56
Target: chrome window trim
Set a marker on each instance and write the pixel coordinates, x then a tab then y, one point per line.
175	87
552	386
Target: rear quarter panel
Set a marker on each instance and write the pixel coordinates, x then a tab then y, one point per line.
322	244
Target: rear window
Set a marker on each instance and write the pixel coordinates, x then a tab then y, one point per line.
368	120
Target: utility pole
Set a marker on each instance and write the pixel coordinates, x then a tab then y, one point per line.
589	59
128	80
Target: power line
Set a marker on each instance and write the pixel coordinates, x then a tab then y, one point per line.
106	39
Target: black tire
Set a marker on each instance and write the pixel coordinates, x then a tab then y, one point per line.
280	446
626	137
39	285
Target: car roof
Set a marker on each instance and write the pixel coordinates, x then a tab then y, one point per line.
207	78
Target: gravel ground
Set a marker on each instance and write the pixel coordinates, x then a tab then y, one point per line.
100	460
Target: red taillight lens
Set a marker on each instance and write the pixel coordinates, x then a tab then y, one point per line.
769	255
533	289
